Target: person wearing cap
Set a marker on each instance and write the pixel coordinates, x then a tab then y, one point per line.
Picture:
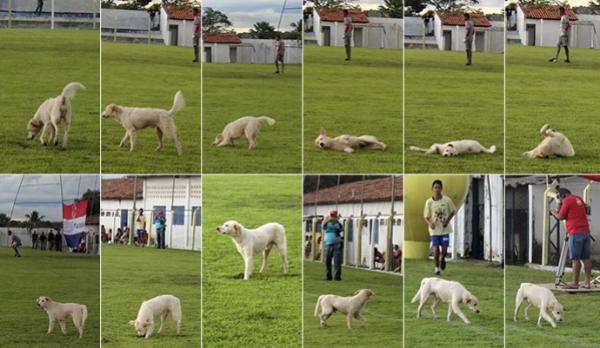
573	211
333	242
160	225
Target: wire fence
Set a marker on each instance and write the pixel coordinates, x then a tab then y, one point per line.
50	14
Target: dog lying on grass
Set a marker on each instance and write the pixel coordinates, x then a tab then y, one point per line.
163	306
51	114
248	126
62	312
540	297
554	143
348	143
450	292
351	306
455	148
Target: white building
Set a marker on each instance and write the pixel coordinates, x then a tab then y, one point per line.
177	25
220	47
178	197
230	48
449	32
371	199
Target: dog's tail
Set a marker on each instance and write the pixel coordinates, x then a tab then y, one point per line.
416	148
318	306
71	89
178	103
417	295
492	149
269	120
84	314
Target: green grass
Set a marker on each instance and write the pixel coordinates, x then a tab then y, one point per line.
383	311
446	101
486	328
139	75
579	327
360	97
62	276
131	275
36	65
563	95
266	310
235	90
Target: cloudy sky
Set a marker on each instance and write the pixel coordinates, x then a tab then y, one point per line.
244	13
42	193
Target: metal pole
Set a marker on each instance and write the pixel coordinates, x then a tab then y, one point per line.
315	221
52	15
9	14
134	209
194	219
15	200
94	14
172	213
390	230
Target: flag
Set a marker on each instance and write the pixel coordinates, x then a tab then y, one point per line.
74	222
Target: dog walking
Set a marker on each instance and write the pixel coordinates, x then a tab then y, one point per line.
563	38
333	241
438	212
348	28
196	38
15	243
469	35
280	47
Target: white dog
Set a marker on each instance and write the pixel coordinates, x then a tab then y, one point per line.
455	148
348	143
350	306
163	306
51	114
447	291
134	119
553	143
248	126
540	297
251	242
61	312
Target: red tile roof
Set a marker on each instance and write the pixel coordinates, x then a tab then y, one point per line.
337	15
121	188
226	38
546	12
372	191
457	18
180	13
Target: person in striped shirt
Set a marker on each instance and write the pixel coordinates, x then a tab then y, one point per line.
280	48
348	28
563	38
469	34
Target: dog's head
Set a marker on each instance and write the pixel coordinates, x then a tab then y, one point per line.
557	310
231	228
218	139
322	140
471	301
367	292
140	326
33	128
43	301
449	151
112	110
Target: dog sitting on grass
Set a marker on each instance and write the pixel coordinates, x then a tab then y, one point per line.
554	143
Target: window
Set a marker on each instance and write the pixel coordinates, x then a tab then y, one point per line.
350	232
375	233
178	215
198	216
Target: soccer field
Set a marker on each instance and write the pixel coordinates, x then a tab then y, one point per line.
486	328
231	91
138	75
579	327
563	95
383	311
131	275
35	65
360	97
265	310
63	277
446	101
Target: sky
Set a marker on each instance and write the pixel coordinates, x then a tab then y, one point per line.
42	193
244	13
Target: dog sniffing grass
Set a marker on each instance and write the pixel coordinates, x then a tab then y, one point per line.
63	276
148	76
131	275
36	65
264	311
383	312
363	96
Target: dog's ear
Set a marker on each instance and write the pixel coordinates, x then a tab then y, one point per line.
322	131
131	322
467	298
356	292
35	123
115	109
237	229
147	323
450	145
371	293
218	139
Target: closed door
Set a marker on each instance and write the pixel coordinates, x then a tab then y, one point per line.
173	35
479	41
447	40
233	54
531	34
326	36
358	37
208	54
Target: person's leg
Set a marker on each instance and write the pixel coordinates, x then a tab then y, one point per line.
16	249
328	259
567	54
557	52
443	257
436	258
586	257
576	269
163	242
337	259
282	65
276	65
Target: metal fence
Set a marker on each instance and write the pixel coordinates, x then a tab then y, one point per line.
90	238
54	14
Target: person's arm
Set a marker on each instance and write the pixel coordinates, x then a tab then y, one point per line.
560	213
452	209
427	216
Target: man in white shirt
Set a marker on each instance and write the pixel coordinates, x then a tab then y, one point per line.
563	38
469	34
348	28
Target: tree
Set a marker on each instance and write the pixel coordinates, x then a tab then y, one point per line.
297	26
328	3
33	220
262	30
126	5
4	219
94	201
595	5
451	5
214	21
392	8
413	7
535	2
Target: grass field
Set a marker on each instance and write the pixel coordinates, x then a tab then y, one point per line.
265	310
383	311
63	277
363	96
579	327
148	76
446	101
235	90
563	95
486	328
35	65
131	275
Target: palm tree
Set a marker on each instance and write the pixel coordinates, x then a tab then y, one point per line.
297	26
392	8
34	219
4	219
263	30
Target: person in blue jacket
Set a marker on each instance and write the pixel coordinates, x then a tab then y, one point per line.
333	230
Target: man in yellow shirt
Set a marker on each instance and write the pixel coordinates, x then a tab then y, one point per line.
140	225
438	212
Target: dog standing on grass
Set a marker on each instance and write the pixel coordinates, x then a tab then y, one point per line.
51	114
540	297
447	291
351	306
248	126
163	306
134	119
61	312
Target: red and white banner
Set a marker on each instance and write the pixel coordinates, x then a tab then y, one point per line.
74	222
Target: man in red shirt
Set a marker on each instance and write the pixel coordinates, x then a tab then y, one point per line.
573	211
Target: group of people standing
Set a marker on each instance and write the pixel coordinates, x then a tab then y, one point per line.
160	226
50	241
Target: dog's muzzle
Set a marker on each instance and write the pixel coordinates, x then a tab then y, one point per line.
321	145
